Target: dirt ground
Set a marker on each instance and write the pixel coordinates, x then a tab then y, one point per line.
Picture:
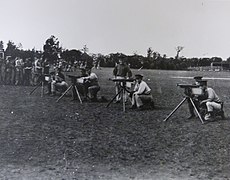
43	139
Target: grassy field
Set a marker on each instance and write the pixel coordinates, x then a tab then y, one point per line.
43	139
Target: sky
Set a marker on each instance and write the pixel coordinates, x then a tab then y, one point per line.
202	27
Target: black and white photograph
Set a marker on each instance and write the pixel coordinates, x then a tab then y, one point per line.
115	90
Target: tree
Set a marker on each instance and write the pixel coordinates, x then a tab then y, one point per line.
85	49
178	50
98	60
11	49
87	60
51	49
149	52
71	55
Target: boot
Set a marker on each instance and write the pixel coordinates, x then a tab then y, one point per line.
209	116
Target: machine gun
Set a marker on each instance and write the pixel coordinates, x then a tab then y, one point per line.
191	89
187	85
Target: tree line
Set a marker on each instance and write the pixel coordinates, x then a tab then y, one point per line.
53	52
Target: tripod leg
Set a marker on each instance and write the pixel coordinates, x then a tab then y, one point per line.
64	93
196	111
42	91
123	99
37	86
79	97
114	98
175	109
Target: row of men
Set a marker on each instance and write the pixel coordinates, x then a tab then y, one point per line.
16	71
140	95
88	86
209	101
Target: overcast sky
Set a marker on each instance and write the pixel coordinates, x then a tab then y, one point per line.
127	26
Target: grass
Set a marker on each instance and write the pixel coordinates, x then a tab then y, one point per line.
42	139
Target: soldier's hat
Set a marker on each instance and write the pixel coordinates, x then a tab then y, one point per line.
138	76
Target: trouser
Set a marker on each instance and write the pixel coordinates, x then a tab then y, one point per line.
18	76
8	76
12	80
58	85
2	74
37	74
213	105
27	77
93	91
139	100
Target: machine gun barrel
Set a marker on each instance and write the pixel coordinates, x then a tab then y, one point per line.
188	85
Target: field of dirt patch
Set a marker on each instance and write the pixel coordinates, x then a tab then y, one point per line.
43	139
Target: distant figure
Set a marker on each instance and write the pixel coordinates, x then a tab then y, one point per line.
18	71
2	70
141	94
28	72
37	71
121	71
9	71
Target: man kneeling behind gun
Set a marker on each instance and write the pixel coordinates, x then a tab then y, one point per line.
57	82
141	93
212	102
89	87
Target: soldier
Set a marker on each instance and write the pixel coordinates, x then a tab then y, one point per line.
28	72
121	71
37	71
2	71
18	71
141	94
58	82
92	85
8	70
212	102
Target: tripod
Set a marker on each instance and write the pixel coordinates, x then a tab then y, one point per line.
42	79
122	91
73	85
177	107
